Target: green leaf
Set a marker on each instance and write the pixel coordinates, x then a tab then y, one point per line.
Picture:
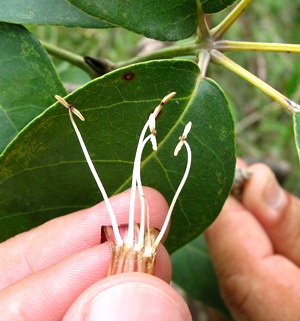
28	80
213	6
296	122
167	20
43	12
193	271
46	166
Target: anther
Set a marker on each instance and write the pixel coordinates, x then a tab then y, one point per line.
68	106
162	103
182	138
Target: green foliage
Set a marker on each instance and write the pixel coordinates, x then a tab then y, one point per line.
28	80
43	12
47	154
193	271
264	132
166	20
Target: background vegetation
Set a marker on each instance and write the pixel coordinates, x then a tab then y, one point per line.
264	130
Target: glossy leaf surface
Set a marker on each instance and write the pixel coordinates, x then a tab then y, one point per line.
193	271
167	20
28	80
43	12
47	168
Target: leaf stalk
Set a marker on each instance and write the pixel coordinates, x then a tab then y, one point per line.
221	59
203	30
229	20
203	61
227	45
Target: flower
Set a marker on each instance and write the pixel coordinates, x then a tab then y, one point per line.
134	246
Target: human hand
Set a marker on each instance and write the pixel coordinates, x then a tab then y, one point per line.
255	248
43	271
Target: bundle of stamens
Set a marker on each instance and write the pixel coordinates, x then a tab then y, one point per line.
134	246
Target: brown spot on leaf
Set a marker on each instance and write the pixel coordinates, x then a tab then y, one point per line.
129	76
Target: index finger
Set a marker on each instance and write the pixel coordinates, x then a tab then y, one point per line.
65	236
252	278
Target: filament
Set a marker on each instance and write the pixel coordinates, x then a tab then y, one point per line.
98	181
136	175
143	200
183	180
135	172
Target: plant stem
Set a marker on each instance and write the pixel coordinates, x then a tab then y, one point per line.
189	49
203	30
223	26
204	60
219	58
72	58
226	45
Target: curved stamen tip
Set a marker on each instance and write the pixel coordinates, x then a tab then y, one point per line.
62	101
163	102
182	138
168	97
152	124
72	108
187	129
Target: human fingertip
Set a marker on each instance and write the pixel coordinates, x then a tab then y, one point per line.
130	296
241	163
264	194
274	195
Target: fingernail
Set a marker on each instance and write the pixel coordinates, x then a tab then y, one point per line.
274	195
132	301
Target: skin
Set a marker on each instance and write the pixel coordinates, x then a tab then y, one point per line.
44	270
255	250
58	270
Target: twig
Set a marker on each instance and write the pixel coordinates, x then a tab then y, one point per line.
190	49
72	58
219	58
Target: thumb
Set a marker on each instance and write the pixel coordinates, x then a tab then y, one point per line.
129	296
276	210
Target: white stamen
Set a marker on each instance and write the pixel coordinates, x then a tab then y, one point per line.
135	178
144	217
93	170
138	182
136	175
183	180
